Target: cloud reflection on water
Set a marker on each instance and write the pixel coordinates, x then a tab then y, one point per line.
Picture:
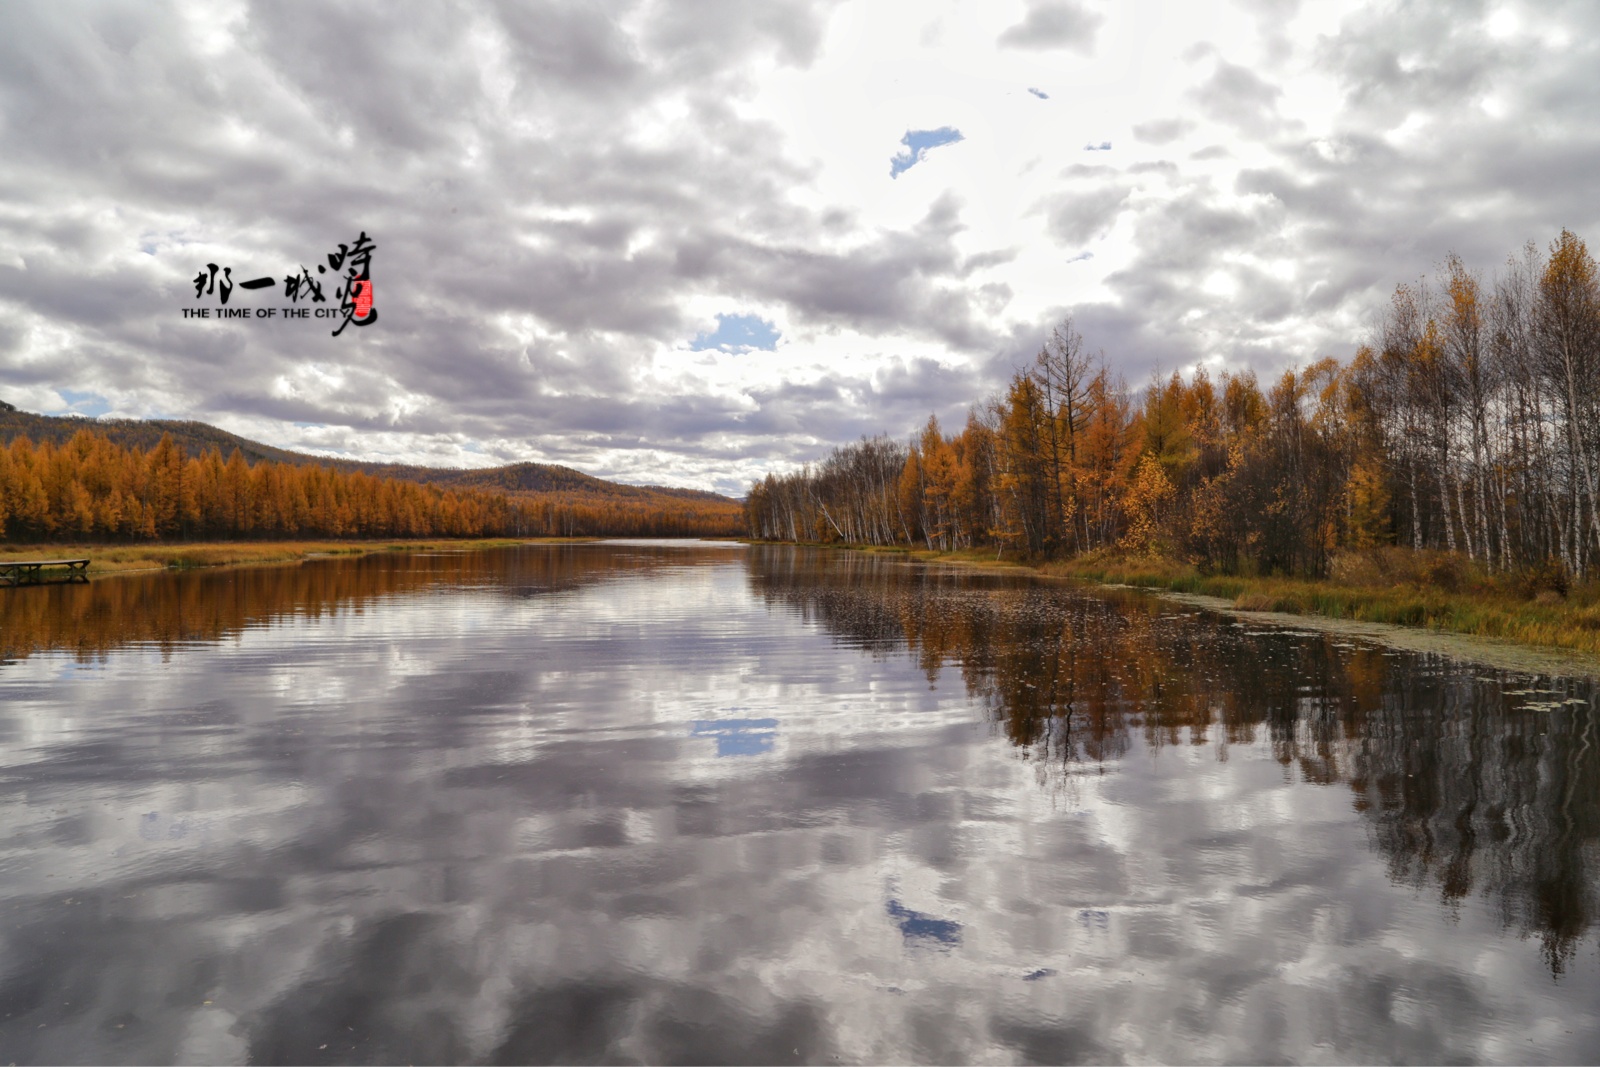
462	808
1468	776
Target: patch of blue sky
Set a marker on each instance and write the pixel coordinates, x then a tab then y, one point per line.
1103	146
1040	93
918	143
1080	257
738	333
91	405
923	930
738	737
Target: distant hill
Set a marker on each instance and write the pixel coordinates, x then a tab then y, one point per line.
520	481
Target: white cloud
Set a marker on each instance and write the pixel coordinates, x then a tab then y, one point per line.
565	196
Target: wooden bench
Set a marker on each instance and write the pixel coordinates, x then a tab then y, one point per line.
27	571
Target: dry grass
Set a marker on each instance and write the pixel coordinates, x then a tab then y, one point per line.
1432	590
986	557
110	559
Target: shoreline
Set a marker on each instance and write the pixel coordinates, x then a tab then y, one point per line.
1271	602
107	560
1431	633
1472	648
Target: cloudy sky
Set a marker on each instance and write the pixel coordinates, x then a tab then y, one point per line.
690	242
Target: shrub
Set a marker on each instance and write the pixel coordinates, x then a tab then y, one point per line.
1547	576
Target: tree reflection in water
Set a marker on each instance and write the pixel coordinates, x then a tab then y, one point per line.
1471	779
167	609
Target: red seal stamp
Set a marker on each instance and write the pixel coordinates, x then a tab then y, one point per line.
363	299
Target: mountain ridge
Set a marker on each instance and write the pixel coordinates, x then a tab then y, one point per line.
196	438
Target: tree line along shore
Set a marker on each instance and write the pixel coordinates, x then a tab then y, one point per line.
92	489
1448	474
185	555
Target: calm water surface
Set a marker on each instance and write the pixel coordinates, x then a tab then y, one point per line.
693	803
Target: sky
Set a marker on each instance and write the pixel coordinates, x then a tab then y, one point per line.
688	243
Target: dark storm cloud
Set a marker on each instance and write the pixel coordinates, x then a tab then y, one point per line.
1054	24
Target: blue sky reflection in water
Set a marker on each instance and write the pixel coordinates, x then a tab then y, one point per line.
696	804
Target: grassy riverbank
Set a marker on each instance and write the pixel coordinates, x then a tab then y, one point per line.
1514	608
1428	590
111	559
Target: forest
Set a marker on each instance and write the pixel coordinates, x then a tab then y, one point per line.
197	438
1469	423
94	489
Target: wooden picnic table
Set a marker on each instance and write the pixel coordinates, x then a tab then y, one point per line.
27	570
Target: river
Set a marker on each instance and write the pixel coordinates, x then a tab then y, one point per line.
643	802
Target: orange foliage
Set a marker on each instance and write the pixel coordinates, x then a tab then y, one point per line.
93	489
